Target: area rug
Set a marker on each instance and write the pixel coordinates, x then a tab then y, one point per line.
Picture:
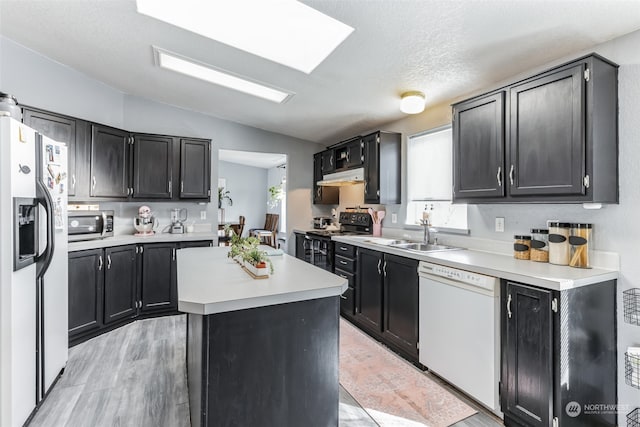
391	390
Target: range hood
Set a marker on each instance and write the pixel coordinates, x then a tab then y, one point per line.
338	179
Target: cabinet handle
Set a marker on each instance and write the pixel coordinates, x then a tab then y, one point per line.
509	306
73	180
93	182
379	271
343	276
331	160
173	254
169	186
100	263
343	262
182	186
366	187
384	269
343	297
319	190
348	157
108	262
511	175
342	248
499	176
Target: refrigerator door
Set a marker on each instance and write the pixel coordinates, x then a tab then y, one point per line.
17	288
53	265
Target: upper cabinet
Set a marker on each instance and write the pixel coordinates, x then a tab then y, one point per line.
322	195
550	138
110	152
105	163
382	168
195	168
152	167
350	155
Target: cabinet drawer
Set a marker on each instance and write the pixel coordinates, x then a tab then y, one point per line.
346	275
345	264
345	250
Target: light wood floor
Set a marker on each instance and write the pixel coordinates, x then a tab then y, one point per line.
135	376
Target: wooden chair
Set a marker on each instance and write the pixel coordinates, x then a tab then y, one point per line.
267	235
238	229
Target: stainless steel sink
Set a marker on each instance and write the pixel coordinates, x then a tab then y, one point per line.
423	247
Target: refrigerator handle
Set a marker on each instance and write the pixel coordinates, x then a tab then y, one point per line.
44	198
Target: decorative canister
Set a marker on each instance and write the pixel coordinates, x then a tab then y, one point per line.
521	247
539	245
580	247
9	106
559	248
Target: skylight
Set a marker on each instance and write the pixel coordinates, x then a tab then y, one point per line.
284	31
207	73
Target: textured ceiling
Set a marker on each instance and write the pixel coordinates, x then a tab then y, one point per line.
446	48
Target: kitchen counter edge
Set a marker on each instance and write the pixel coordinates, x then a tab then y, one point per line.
544	275
136	240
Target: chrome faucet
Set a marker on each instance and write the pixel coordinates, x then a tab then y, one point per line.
427	232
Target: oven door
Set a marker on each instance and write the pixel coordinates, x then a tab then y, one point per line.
321	252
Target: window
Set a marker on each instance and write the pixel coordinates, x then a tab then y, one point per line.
429	180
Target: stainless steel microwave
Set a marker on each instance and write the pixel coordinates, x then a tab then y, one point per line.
88	225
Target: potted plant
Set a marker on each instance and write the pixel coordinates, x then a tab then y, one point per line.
256	261
275	195
224	195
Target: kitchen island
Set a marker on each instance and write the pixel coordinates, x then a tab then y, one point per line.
259	352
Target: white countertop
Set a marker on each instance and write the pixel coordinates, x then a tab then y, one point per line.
545	275
130	239
209	282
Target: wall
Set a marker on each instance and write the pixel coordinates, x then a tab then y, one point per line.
275	177
248	191
615	226
41	82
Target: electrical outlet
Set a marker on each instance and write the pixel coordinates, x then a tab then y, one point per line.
394	218
499	224
203	214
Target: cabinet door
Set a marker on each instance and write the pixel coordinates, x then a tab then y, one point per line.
158	285
119	283
58	128
322	195
355	154
195	169
478	148
401	302
527	381
301	247
152	167
369	289
371	168
110	153
547	139
86	275
328	162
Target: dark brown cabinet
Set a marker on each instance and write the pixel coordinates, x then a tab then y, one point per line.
110	153
158	283
400	303
558	349
350	154
322	195
195	169
478	155
346	266
560	136
152	171
86	281
74	133
369	290
382	168
386	294
328	161
119	283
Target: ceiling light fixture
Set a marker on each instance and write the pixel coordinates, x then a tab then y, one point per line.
412	102
192	68
284	31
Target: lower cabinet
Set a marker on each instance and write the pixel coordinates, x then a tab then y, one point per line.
120	283
346	267
158	280
558	355
387	300
86	281
111	286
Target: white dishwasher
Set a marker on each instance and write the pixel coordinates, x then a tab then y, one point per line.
459	320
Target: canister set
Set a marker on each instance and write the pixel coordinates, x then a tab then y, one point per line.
563	243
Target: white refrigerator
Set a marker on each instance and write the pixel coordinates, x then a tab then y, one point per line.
33	268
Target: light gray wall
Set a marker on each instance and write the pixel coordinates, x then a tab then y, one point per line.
248	187
41	82
615	226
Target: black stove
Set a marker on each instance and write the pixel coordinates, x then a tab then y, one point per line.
318	243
